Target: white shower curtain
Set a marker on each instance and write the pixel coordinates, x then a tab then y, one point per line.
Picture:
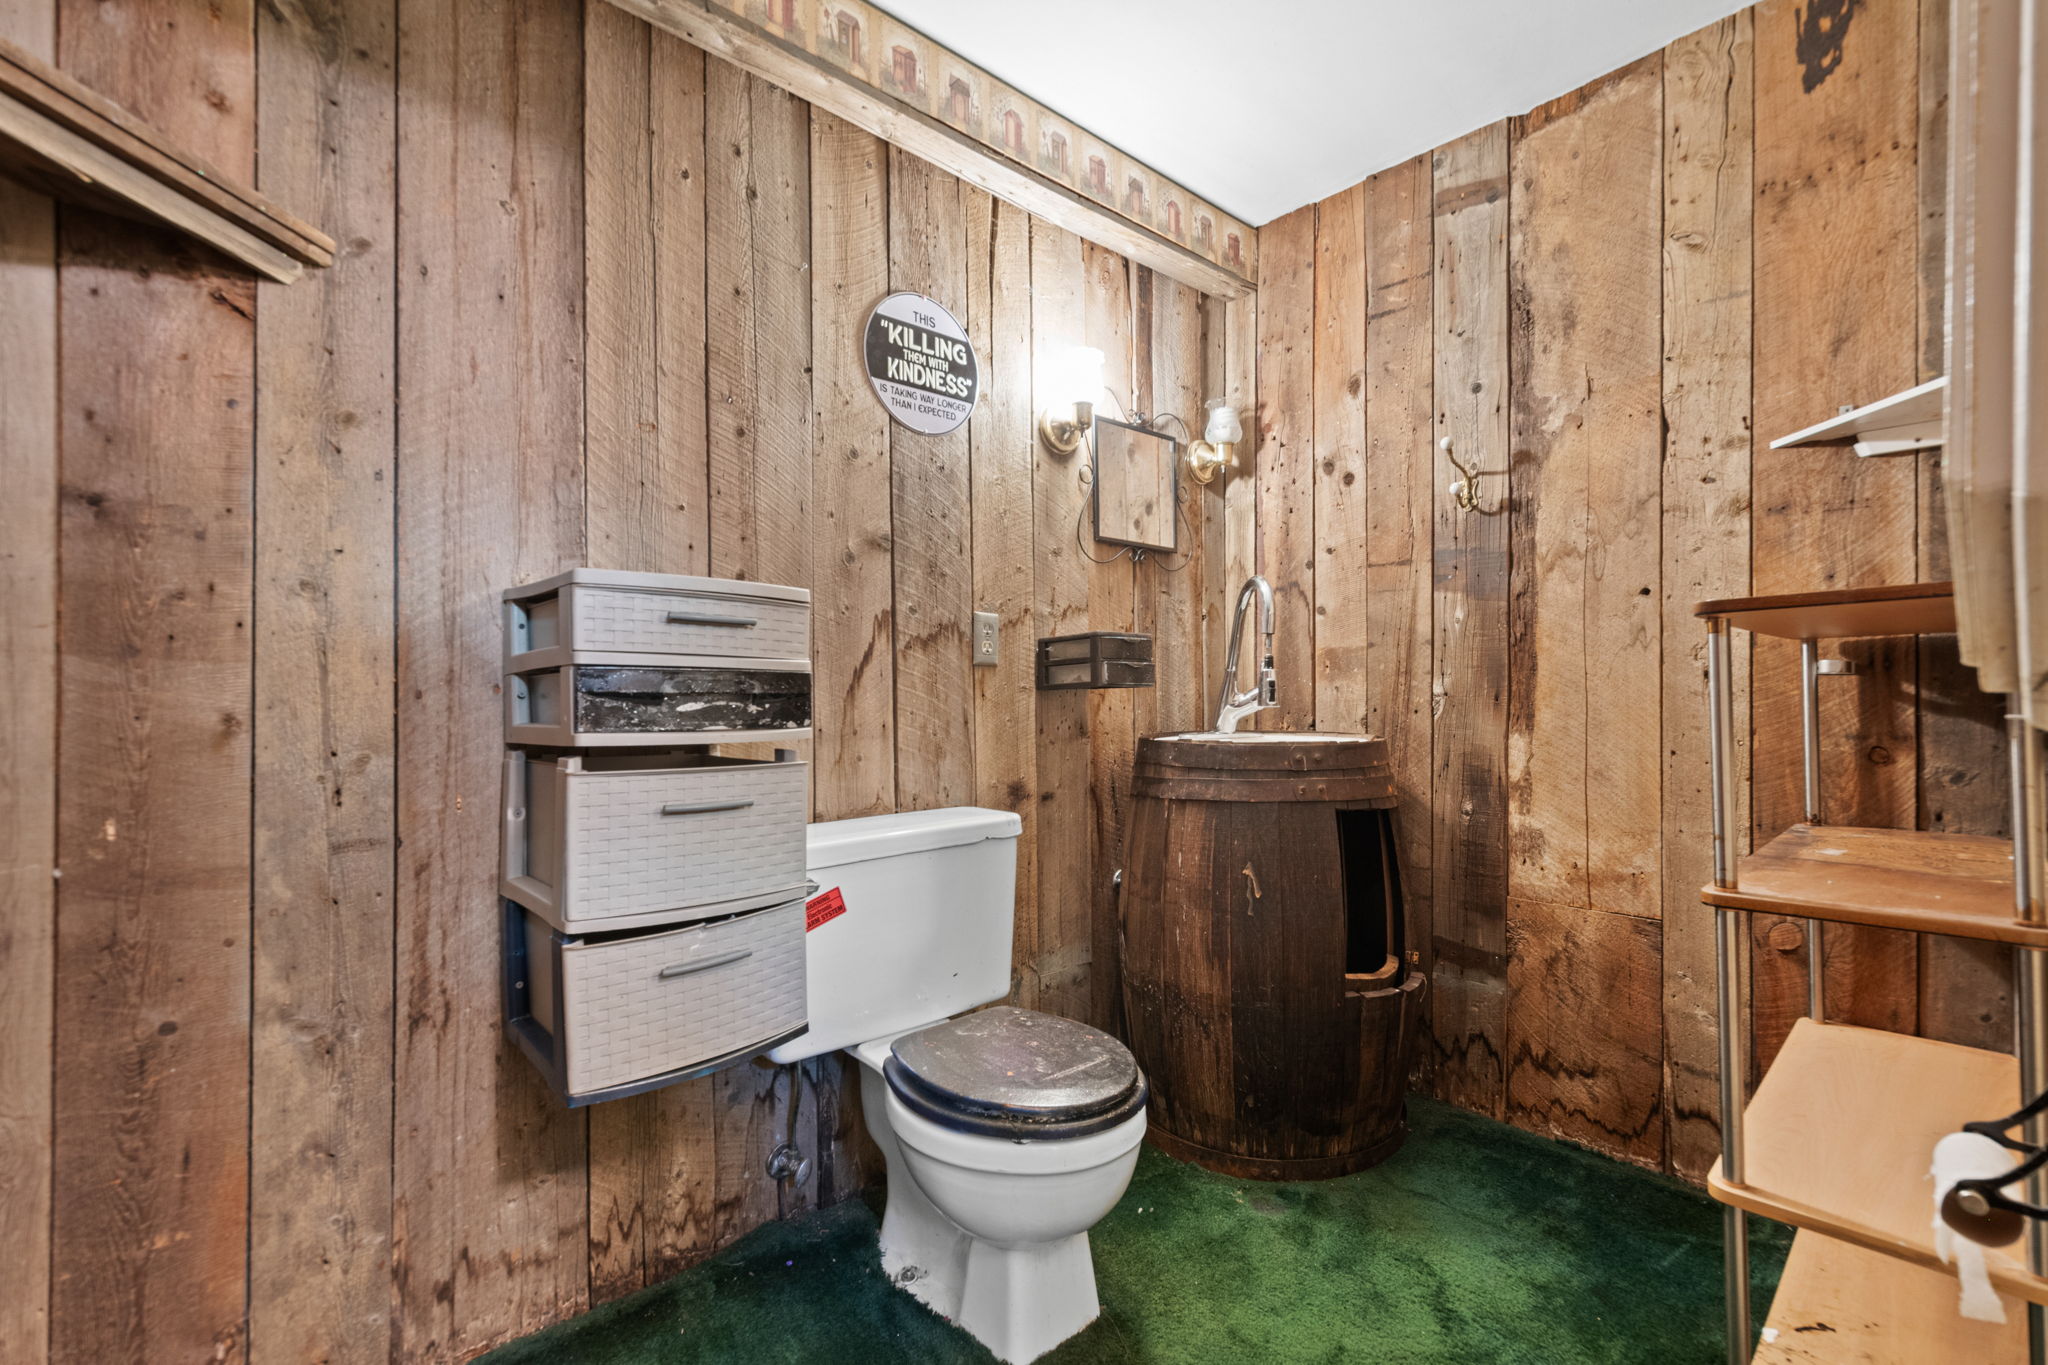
1995	457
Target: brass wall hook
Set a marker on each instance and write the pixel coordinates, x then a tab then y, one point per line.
1464	489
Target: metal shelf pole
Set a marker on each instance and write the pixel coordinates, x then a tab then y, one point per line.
1732	1008
2031	969
1809	721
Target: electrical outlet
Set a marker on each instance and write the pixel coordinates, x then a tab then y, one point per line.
985	639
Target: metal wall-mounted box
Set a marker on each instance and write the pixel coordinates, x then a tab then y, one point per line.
1097	659
620	1014
619	839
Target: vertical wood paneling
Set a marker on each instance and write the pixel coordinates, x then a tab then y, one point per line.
1234	345
195	82
852	626
586	333
490	1215
928	479
320	1081
1169	606
1060	493
150	1182
257	1048
623	489
1705	520
758	325
672	509
1584	766
1112	580
1343	687
852	617
1002	436
1576	740
1836	321
1286	493
653	1158
1467	860
28	730
1585	1032
758	340
1619	181
1399	489
1583	761
29	422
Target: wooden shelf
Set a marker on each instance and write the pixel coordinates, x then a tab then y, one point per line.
1840	1303
1906	421
1901	609
1839	1135
1957	884
61	138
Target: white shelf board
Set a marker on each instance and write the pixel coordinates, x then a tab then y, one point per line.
1905	421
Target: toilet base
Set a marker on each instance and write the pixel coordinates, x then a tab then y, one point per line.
1020	1302
923	1252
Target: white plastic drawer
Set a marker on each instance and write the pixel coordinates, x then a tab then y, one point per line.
639	1006
603	841
592	611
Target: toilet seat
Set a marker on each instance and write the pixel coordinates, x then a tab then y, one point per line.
1017	1074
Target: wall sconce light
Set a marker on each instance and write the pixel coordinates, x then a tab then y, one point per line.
1070	407
1220	435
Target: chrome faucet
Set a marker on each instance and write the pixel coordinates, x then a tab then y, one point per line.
1233	706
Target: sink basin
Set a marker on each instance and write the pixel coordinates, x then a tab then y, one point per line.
1271	737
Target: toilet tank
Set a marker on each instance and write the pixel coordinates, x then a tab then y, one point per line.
931	900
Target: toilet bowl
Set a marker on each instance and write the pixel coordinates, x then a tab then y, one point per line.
992	1232
1005	1134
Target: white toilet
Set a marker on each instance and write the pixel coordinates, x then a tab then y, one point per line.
1007	1134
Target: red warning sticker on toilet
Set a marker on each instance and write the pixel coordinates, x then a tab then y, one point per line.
823	909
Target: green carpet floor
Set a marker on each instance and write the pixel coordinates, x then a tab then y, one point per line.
1475	1243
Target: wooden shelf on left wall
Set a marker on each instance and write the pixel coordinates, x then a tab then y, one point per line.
72	144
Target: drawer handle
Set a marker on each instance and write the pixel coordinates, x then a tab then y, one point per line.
702	807
689	618
687	968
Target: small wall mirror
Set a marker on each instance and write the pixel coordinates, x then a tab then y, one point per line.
1137	487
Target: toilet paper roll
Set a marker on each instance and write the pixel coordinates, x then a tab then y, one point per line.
1965	1156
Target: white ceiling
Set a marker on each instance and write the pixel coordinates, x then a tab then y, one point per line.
1262	107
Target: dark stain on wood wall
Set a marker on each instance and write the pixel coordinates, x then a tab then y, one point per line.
597	301
1634	287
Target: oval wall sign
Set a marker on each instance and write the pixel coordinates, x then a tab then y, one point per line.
921	364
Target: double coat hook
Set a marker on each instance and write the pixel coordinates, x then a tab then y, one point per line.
1464	489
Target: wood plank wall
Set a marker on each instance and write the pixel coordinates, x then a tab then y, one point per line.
1620	296
597	301
256	1104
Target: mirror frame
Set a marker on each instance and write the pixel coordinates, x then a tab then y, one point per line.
1172	546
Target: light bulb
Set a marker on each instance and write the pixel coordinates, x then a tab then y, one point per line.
1223	428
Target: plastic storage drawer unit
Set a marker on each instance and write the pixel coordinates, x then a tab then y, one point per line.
617	840
612	1016
606	611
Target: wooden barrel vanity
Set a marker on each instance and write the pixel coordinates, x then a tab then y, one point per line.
1267	990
